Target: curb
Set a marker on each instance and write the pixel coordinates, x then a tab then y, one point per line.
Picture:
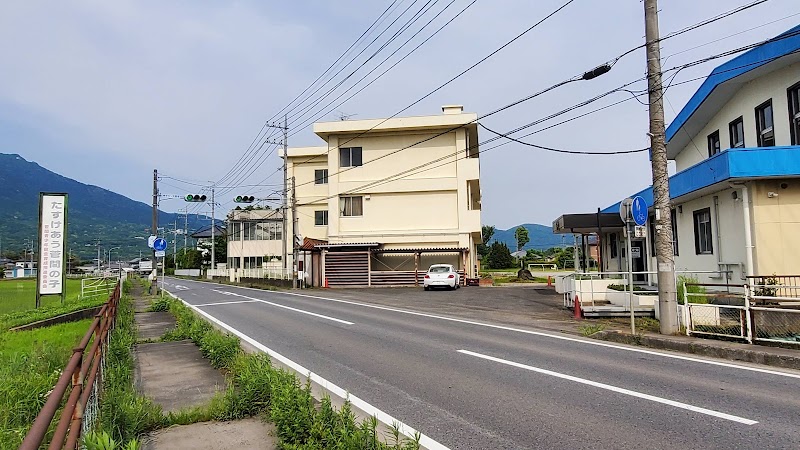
784	359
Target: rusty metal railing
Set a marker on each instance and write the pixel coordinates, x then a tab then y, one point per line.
81	374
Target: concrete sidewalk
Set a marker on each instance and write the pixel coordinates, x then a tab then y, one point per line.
176	376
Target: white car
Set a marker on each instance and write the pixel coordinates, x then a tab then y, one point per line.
441	275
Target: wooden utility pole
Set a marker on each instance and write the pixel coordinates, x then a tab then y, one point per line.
658	156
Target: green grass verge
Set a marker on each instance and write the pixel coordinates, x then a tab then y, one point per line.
30	364
17	301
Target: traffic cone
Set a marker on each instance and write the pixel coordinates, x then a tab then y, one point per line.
577	309
326	282
549	281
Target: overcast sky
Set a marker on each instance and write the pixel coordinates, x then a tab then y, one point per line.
104	92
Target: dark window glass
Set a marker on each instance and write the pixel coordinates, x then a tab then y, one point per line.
613	244
702	232
764	125
321	176
321	217
794	113
736	131
713	143
674	217
350	157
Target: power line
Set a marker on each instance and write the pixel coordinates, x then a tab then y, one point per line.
558	150
374	24
306	122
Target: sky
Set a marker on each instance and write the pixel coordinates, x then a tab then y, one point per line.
105	92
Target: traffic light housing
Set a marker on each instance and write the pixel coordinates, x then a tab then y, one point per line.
244	199
195	198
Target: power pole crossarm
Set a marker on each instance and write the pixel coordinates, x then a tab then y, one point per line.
658	155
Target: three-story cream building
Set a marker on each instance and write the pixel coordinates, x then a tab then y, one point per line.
383	199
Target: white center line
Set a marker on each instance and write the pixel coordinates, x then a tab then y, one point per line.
593	342
225	303
618	390
252	299
371	410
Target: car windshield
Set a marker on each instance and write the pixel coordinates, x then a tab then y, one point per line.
439	269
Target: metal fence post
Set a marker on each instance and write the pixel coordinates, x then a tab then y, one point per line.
747	313
687	315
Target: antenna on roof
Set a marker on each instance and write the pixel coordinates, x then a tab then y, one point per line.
342	116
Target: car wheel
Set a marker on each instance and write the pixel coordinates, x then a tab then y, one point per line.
426	288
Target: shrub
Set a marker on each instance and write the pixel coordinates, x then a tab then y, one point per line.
683	281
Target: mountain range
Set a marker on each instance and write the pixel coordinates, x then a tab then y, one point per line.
94	212
541	237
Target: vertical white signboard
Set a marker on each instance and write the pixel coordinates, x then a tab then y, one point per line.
52	243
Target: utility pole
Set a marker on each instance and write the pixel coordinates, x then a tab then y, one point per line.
294	235
658	156
285	190
154	285
213	226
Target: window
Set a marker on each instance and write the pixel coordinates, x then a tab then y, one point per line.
794	113
350	157
236	231
702	232
674	220
321	217
736	129
713	143
612	243
764	129
352	206
321	176
674	217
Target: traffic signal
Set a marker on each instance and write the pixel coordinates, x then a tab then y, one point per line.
195	198
244	199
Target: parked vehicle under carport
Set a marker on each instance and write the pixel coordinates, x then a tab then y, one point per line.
441	275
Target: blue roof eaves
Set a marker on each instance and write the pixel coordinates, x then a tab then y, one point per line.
738	163
723	73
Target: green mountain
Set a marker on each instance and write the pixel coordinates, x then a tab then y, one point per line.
94	212
541	236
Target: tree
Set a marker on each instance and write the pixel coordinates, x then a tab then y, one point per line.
521	233
220	250
487	231
499	256
190	258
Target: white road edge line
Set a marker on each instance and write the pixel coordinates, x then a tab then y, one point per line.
618	390
406	430
536	333
225	303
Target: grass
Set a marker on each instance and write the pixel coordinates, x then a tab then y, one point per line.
589	329
683	281
30	364
18	298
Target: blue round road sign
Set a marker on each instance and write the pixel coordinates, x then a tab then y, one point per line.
160	244
639	211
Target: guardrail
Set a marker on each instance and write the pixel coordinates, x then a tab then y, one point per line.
82	373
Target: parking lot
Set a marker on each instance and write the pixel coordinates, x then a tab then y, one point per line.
529	305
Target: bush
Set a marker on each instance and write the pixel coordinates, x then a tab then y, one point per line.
684	280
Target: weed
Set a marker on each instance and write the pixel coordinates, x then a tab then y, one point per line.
589	329
648	324
690	289
102	441
158	305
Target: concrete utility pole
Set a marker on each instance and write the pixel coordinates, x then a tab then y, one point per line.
294	236
658	156
154	286
213	226
285	188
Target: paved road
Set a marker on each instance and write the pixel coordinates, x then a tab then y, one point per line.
472	385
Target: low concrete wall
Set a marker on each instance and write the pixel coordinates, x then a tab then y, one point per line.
256	282
187	272
87	313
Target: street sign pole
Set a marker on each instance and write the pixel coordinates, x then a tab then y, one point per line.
628	230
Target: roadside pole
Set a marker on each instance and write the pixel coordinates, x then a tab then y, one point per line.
667	298
154	285
630	274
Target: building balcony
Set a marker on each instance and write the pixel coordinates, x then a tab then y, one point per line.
470	221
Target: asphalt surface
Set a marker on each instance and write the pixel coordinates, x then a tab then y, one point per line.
420	357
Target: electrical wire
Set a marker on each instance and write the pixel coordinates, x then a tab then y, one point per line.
558	150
